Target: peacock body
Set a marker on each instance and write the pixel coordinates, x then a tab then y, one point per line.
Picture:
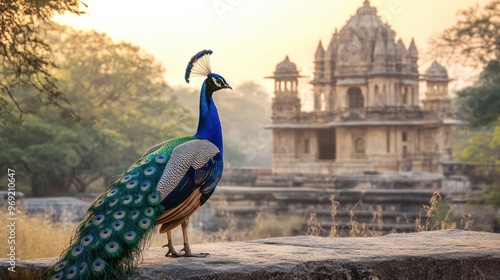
164	187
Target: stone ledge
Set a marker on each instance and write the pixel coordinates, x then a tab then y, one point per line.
448	254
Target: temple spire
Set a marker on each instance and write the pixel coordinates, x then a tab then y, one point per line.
320	52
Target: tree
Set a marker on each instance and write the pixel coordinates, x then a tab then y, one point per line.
480	148
25	60
474	40
118	107
479	104
57	154
479	145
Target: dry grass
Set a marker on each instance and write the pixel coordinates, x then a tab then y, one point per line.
362	230
466	222
355	229
333	205
36	236
428	217
313	225
434	216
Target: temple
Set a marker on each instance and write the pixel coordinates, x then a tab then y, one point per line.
368	115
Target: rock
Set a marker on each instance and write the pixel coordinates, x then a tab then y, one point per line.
449	254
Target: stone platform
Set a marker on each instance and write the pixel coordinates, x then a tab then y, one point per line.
445	255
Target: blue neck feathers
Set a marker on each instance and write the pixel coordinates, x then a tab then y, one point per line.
209	126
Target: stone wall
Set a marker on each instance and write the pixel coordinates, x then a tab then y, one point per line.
426	255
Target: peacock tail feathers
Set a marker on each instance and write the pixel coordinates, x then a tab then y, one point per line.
199	65
119	223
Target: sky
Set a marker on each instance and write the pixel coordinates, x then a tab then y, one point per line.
250	37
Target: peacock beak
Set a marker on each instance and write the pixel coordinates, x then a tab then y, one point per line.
228	86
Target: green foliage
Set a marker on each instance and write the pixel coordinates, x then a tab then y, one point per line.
479	104
474	41
244	112
25	60
492	196
118	107
479	146
57	154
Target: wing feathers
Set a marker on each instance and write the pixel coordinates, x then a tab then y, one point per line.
190	169
174	217
195	154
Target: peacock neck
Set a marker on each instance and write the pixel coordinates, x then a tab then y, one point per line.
209	126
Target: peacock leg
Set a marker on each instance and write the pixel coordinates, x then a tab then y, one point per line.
170	245
187	248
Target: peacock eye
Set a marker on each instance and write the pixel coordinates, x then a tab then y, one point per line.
219	81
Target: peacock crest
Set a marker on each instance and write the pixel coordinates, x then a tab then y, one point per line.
199	65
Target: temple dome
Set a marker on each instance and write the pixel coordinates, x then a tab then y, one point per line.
365	40
355	42
367	21
286	69
436	72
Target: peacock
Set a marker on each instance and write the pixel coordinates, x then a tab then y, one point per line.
164	187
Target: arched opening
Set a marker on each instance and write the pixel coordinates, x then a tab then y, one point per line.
355	98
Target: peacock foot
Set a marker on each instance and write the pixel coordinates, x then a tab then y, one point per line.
171	251
188	253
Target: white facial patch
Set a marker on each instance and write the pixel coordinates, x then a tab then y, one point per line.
217	82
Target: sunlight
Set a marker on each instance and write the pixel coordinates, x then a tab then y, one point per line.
250	37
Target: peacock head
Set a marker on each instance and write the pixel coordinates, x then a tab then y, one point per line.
199	65
216	82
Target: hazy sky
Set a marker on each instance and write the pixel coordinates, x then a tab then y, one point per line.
250	37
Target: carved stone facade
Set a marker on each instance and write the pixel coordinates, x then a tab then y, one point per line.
367	110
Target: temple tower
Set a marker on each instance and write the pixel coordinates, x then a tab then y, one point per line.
286	102
437	80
